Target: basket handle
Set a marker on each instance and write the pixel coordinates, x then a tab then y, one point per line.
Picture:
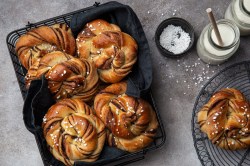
30	25
96	4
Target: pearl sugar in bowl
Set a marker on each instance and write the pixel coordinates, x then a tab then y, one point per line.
174	37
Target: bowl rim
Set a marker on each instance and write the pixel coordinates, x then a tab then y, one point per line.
164	24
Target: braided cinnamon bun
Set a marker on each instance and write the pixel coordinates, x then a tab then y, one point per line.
113	52
42	40
225	119
68	77
132	122
74	78
44	64
73	132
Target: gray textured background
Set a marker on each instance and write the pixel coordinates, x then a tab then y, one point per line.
170	86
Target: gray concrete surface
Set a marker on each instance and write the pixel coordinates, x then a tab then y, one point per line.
170	86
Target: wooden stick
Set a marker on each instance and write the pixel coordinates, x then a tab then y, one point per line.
216	30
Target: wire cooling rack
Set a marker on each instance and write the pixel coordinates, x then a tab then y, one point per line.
21	72
235	76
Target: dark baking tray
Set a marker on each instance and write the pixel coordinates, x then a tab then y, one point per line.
235	76
21	72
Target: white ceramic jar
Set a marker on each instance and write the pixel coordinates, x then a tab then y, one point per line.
239	12
208	48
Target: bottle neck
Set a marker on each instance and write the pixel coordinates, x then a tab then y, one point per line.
229	29
240	13
244	7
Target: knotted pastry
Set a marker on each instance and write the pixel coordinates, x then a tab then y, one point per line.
113	52
68	77
225	119
44	64
132	122
39	41
73	132
74	78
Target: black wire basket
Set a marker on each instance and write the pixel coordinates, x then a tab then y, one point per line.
21	72
235	76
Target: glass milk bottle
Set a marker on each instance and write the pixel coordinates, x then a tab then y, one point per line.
239	12
208	47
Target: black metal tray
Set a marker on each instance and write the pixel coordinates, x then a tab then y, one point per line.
21	72
235	76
